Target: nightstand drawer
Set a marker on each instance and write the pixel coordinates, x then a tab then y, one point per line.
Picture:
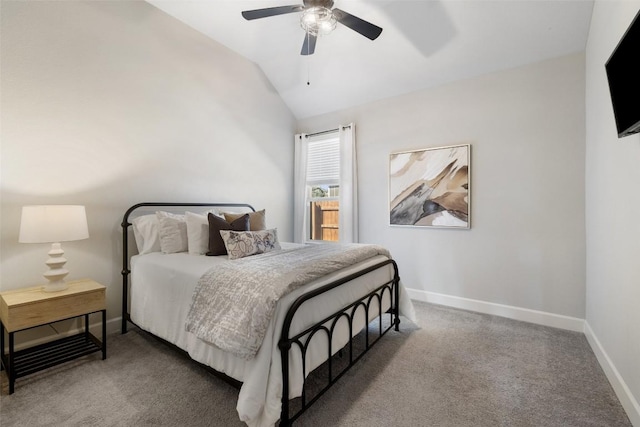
26	308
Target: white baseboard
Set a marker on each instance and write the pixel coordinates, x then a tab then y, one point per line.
628	401
517	313
114	325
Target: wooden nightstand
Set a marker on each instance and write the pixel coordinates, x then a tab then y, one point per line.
28	308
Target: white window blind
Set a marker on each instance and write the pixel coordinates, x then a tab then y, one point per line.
323	160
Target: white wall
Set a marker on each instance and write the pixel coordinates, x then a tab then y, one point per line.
108	104
613	209
526	247
111	103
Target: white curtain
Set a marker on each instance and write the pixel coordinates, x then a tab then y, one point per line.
299	188
348	185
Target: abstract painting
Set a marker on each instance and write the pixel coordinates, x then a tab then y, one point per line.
430	187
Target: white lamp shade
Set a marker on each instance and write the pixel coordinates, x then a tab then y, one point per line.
53	223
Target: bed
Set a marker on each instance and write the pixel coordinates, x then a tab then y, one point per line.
322	327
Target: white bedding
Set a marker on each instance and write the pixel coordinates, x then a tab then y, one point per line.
161	293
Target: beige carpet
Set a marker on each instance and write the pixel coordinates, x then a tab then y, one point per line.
454	368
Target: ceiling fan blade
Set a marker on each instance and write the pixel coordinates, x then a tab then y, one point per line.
309	45
358	25
271	11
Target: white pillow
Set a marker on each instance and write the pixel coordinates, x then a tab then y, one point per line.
173	232
240	244
198	232
145	231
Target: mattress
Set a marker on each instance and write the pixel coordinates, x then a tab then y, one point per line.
162	286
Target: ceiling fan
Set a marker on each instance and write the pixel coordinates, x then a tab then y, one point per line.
318	18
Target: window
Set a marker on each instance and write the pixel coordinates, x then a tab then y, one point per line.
325	191
323	188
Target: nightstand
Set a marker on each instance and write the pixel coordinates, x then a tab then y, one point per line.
28	308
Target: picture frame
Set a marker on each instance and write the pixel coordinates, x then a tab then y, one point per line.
431	187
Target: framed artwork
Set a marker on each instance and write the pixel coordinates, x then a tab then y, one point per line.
430	187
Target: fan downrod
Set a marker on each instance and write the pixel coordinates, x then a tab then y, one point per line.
318	3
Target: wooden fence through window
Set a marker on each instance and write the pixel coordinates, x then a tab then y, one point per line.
324	220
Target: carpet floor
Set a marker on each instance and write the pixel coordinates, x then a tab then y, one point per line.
451	368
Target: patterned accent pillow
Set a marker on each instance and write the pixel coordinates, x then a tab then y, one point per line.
240	244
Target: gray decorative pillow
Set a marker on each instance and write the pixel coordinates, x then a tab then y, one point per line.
172	229
240	244
216	245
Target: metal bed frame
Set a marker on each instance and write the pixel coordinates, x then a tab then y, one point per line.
302	339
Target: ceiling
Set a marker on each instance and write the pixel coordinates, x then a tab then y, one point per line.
424	43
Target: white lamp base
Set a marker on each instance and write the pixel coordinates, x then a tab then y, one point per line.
56	273
55	286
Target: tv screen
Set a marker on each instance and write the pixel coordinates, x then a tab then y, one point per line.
623	73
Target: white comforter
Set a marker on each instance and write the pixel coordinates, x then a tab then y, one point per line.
161	294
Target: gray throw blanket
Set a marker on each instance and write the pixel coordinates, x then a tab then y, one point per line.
233	303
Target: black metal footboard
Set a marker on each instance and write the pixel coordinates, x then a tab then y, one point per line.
327	326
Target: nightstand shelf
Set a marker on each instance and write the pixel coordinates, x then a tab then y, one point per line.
43	356
29	308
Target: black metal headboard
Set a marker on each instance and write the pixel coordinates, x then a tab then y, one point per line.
125	242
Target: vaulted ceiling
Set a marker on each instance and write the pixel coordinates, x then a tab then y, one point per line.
424	43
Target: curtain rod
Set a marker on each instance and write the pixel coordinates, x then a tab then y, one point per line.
327	131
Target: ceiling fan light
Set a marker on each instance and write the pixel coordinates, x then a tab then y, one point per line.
318	21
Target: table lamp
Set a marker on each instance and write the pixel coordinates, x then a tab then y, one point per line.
54	224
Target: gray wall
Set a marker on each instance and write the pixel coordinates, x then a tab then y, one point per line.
613	209
526	247
108	104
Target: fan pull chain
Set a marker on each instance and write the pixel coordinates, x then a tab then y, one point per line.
308	61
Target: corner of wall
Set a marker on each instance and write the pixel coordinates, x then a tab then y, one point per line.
628	401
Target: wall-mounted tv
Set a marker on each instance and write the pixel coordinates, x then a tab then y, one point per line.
623	73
